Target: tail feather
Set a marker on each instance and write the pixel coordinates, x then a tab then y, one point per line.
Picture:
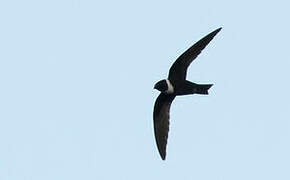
192	88
202	88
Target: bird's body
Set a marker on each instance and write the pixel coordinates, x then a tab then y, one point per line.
176	85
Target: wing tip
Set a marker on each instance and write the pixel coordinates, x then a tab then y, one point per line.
162	152
217	30
163	156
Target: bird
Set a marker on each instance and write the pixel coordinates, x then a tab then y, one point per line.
177	85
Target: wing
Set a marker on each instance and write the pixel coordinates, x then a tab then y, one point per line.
178	70
161	121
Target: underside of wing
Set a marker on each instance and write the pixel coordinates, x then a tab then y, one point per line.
161	121
179	67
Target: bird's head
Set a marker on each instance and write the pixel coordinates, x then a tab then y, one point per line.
164	86
161	86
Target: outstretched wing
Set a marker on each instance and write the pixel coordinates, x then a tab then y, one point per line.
178	70
161	121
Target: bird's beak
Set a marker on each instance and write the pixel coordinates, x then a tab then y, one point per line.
154	86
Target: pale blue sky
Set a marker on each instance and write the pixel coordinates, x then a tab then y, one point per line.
77	79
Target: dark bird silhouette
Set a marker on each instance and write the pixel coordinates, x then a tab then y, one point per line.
176	85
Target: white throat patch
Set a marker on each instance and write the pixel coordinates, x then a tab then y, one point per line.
170	89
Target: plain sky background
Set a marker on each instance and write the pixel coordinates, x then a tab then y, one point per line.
76	90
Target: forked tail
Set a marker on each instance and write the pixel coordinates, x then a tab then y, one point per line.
192	88
202	88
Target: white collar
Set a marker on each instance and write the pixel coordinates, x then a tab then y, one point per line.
170	89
